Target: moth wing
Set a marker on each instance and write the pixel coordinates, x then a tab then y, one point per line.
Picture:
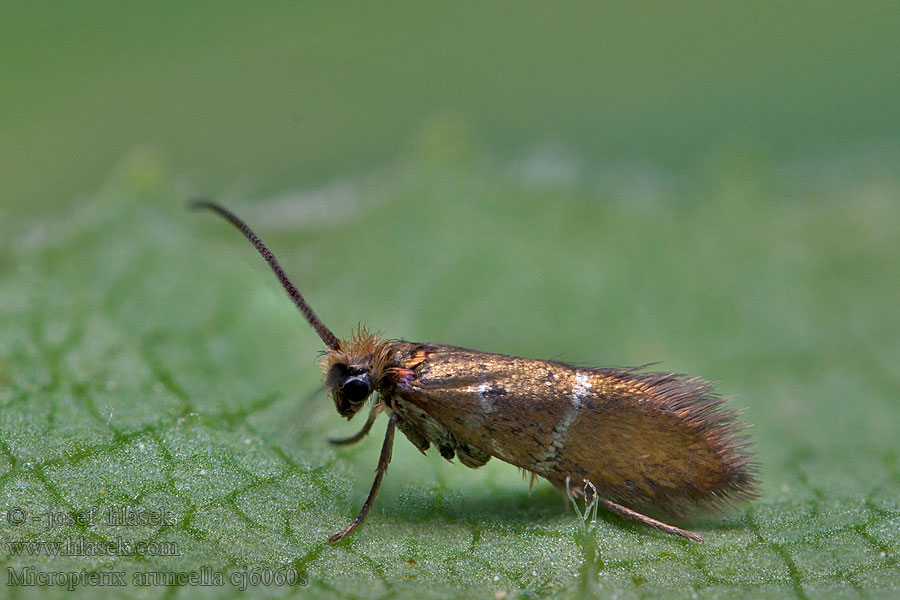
644	439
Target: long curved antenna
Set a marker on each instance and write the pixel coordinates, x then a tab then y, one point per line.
329	338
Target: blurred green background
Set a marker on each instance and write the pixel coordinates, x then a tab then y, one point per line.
712	186
290	94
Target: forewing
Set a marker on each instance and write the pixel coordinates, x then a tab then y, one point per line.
644	439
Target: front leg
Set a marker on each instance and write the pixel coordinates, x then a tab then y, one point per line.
376	410
383	462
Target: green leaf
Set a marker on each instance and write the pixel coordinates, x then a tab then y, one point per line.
150	363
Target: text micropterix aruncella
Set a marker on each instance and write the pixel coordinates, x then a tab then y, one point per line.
645	441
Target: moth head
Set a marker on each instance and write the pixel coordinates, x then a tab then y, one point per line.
350	385
351	371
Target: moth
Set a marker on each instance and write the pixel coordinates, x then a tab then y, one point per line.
660	442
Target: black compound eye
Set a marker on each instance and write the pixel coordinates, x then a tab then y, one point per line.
356	389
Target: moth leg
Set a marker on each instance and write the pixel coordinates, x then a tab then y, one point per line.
376	410
633	515
627	513
383	462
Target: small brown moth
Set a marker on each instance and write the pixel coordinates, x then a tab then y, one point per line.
650	441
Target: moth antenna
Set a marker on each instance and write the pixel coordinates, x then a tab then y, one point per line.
329	338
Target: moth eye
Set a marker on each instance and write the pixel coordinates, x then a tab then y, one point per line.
356	389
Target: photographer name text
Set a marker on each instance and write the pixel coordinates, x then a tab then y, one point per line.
115	516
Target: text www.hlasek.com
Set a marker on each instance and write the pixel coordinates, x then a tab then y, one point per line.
85	547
